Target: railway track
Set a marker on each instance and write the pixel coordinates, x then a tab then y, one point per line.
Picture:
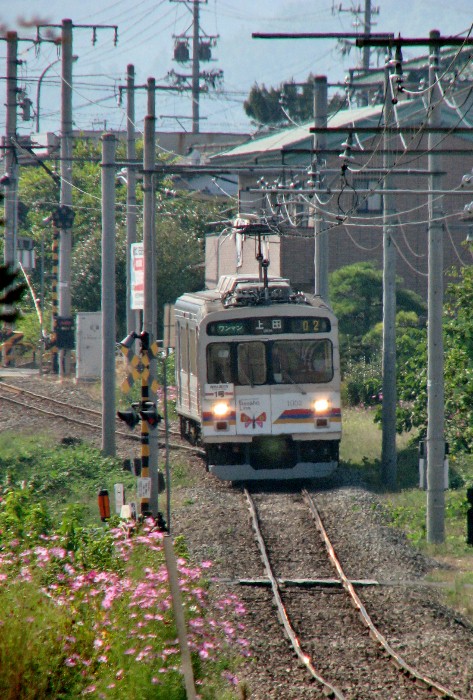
317	611
84	417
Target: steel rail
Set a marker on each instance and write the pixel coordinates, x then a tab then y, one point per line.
330	690
70	419
92	411
375	634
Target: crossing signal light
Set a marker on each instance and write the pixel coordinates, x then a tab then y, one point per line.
130	417
149	413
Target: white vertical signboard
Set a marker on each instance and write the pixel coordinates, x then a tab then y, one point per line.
137	276
119	497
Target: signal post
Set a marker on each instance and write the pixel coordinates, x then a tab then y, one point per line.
146	412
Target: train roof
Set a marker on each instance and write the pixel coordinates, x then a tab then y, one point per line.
237	291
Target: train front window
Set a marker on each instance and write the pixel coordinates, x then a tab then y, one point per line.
302	361
219	365
251	363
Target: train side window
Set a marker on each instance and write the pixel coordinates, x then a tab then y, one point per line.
184	348
219	365
251	363
192	351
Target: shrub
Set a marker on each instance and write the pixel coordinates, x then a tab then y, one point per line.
362	383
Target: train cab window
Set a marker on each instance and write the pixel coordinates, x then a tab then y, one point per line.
251	363
219	366
302	361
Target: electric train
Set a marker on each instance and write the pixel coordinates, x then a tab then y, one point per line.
258	379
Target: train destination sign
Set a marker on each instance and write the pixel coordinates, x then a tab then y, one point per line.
270	326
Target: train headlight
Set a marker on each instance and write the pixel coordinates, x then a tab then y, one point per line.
321	406
220	409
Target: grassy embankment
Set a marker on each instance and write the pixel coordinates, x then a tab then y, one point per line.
361	449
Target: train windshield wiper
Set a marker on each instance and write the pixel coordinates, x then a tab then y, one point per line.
287	374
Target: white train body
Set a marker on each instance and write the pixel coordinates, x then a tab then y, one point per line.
258	379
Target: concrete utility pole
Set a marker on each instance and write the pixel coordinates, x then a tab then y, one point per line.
132	315
435	361
108	294
367	31
388	450
320	235
150	287
201	52
11	164
67	217
65	240
195	70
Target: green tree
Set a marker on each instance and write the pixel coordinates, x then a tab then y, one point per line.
458	371
285	103
356	292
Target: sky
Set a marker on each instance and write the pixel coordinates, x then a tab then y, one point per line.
146	37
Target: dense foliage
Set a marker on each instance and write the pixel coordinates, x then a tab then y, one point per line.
458	373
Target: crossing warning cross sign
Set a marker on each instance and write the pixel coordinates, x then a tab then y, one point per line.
138	368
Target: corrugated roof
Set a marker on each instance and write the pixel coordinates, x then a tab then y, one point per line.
264	149
298	136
